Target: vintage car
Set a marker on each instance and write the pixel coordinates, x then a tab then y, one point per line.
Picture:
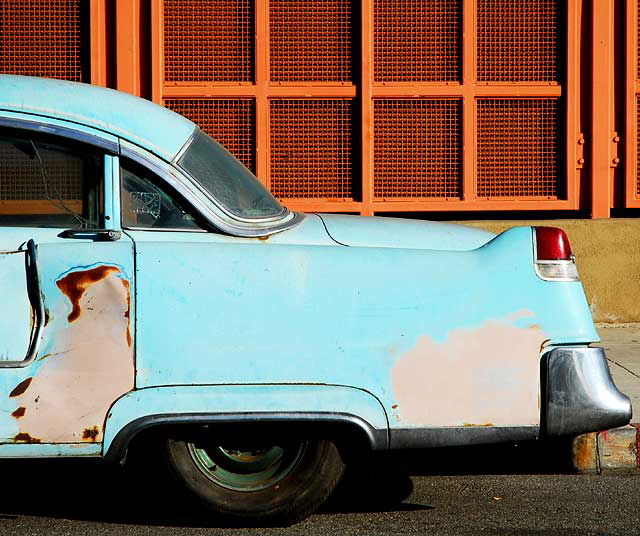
151	284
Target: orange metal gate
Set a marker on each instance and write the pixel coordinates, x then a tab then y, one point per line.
369	106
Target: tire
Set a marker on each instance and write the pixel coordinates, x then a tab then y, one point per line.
275	485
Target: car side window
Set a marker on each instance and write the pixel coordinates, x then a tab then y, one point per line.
48	181
147	206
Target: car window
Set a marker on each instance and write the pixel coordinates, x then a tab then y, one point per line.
47	181
146	206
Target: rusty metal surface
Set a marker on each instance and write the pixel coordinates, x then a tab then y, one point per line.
229	121
417	148
41	38
518	40
312	148
311	41
518	149
208	41
417	40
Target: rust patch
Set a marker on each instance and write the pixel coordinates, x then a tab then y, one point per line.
19	412
469	424
127	313
75	284
23	437
90	434
20	388
395	406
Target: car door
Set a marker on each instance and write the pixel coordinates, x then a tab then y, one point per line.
66	278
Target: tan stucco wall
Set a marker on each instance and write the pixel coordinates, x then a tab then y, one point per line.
608	257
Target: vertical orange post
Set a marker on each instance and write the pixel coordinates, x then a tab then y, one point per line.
366	103
128	46
262	83
157	35
469	184
98	39
601	107
574	145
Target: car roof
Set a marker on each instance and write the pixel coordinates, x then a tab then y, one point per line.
139	121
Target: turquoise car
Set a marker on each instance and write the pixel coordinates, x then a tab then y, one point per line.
154	290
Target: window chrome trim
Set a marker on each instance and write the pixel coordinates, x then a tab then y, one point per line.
280	216
199	200
110	147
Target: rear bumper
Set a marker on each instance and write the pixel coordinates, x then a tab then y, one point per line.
580	394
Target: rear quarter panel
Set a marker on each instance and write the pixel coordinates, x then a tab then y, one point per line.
439	338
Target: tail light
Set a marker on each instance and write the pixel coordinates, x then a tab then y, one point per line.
554	260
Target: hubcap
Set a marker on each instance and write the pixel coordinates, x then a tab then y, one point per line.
246	468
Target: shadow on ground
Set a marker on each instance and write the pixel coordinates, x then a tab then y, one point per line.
89	490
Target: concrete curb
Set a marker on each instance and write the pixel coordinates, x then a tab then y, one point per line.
614	451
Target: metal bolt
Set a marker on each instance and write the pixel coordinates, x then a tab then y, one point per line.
616	160
581	141
616	139
580	160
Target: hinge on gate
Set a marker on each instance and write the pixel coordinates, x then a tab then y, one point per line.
615	160
580	152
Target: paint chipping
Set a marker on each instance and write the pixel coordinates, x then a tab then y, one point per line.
23	437
127	313
496	367
19	412
90	434
91	363
20	388
75	284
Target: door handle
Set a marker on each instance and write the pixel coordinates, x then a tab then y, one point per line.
100	235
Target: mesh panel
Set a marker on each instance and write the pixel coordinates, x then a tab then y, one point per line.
311	148
208	41
417	148
41	38
518	147
229	121
417	40
638	145
518	40
310	41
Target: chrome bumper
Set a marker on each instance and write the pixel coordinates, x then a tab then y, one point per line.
580	394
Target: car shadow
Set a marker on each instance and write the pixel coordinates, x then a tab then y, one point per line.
91	490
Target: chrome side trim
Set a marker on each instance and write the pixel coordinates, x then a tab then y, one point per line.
180	182
378	439
580	394
409	438
35	297
56	130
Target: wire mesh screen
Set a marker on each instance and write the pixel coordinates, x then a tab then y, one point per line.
518	147
518	40
310	41
41	38
638	145
417	148
417	40
311	148
230	121
208	41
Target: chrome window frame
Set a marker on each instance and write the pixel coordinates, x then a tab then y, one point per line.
201	201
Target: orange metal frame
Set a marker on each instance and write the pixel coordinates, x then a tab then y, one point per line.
128	78
632	91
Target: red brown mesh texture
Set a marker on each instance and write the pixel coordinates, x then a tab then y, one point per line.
311	148
417	148
310	41
517	147
41	38
417	40
518	40
638	146
208	41
230	121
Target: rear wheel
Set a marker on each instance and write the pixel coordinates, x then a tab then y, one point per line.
272	483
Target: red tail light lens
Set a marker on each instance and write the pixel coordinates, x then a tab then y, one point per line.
552	244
